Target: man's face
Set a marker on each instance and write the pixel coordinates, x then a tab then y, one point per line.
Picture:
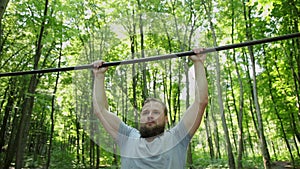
153	119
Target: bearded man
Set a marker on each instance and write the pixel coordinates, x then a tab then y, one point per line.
152	146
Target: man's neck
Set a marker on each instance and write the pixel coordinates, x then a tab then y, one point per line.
150	139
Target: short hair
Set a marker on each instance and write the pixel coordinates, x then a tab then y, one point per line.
148	100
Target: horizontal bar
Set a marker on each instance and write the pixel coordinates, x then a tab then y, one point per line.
154	58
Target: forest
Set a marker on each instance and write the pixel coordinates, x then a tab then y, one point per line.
46	119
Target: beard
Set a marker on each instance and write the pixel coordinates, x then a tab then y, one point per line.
147	132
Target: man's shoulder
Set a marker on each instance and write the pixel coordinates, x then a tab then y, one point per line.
128	130
179	131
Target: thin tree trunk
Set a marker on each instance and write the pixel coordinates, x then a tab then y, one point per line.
296	53
168	93
52	114
275	106
144	71
134	75
3	6
240	117
5	96
11	149
264	148
241	99
215	130
36	141
92	154
29	101
7	110
234	103
208	135
165	89
231	161
82	147
227	102
293	57
251	98
77	139
192	30
296	146
187	103
98	156
92	126
249	134
274	150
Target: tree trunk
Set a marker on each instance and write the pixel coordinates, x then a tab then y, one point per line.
227	103
11	149
231	161
52	115
82	148
240	117
296	53
98	156
29	100
208	135
7	110
134	75
144	71
3	6
187	104
77	140
215	131
275	105
294	59
92	154
168	93
241	99
249	134
23	129
264	148
251	98
296	146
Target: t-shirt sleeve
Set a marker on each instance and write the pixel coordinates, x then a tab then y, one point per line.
124	129
181	133
124	133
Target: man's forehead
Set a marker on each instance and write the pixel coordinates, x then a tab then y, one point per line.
152	105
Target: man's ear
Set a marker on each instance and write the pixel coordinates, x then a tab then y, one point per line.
166	119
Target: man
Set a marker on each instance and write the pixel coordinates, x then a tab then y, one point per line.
151	146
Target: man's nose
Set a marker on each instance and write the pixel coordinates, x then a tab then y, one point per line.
150	116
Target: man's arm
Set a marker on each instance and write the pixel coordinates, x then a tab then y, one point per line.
109	120
193	115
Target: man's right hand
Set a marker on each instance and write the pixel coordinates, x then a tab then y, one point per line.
97	70
198	56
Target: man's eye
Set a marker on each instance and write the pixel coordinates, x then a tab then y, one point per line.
145	112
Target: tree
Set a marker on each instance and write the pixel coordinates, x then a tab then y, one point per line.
3	5
231	161
28	102
49	115
264	148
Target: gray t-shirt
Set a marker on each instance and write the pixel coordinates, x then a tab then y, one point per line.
167	151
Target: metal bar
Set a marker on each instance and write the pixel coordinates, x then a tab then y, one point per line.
153	58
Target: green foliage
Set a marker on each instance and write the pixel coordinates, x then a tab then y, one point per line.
80	32
62	158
